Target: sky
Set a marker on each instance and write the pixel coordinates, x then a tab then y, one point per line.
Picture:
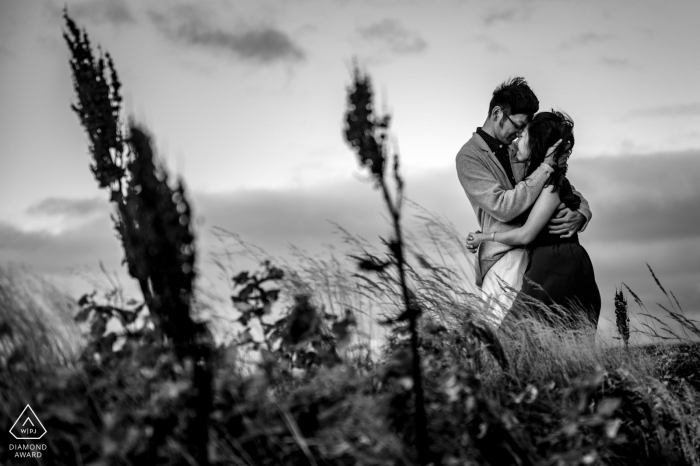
245	101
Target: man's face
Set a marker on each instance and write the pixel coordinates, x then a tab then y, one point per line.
523	147
509	127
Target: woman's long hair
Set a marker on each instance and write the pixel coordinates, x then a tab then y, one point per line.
543	131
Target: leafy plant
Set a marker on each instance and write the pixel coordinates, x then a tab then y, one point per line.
304	337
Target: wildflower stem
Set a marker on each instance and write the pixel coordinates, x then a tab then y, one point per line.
412	313
367	133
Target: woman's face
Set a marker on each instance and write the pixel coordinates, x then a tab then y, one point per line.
523	147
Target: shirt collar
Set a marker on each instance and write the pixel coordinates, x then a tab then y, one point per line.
494	144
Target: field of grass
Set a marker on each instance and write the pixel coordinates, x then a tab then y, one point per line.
304	392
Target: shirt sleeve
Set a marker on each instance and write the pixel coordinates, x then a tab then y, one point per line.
484	190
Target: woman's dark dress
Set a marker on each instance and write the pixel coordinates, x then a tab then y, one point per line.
562	268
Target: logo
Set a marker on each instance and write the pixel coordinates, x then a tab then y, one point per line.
28	426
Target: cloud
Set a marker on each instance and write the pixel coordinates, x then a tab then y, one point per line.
505	16
641	198
76	208
105	11
491	45
264	44
679	110
615	62
275	220
51	253
518	12
392	33
581	40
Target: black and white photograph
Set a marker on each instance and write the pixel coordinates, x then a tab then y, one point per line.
349	232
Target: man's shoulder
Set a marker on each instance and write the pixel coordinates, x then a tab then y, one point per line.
474	147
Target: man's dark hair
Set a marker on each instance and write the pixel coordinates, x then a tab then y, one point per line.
515	96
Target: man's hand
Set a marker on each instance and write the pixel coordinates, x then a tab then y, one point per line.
471	246
566	222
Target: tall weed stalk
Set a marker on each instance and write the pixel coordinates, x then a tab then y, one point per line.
367	134
153	220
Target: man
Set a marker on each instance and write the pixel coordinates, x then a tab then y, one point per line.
493	181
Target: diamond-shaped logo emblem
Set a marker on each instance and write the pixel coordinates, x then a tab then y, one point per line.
28	426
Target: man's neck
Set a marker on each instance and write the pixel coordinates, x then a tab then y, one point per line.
487	128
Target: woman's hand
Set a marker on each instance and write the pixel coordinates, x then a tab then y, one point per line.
475	239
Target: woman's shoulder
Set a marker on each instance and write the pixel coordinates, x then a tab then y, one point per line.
549	196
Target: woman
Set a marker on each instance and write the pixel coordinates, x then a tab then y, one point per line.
560	271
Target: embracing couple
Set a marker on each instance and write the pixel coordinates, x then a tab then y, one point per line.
513	171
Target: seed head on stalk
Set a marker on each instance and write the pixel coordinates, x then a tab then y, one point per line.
622	317
365	131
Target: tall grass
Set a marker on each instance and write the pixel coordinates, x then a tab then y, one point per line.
36	321
551	389
560	398
558	351
556	361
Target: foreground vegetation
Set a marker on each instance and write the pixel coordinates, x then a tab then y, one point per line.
302	382
315	396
